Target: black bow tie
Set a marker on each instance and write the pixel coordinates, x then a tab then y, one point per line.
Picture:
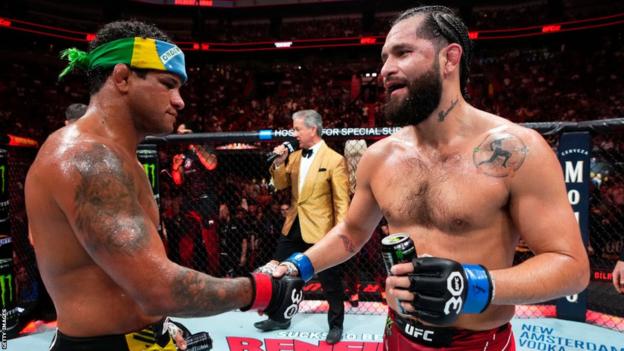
306	152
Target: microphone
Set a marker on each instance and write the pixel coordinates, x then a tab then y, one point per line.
291	146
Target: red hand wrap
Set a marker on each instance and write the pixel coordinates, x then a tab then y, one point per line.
264	291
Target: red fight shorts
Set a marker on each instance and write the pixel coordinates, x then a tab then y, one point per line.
408	335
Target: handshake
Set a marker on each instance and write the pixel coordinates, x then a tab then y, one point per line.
279	298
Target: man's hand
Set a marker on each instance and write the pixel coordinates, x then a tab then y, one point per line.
183	130
438	290
282	151
178	333
297	265
178	159
268	268
618	277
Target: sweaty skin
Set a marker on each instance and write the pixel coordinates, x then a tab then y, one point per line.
465	185
455	208
93	218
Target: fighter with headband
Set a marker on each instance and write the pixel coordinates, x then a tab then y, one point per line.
93	217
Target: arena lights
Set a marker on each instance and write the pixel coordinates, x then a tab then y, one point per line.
368	40
201	46
317	43
551	28
193	3
237	146
265	134
283	44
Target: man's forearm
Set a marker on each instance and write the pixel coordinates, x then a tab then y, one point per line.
334	248
208	160
195	294
543	277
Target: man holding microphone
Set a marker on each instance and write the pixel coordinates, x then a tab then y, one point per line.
318	178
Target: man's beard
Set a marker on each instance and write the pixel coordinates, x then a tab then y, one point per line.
424	94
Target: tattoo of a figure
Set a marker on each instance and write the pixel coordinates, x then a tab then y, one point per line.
500	154
107	209
442	114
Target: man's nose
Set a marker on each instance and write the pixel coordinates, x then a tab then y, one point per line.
176	100
388	68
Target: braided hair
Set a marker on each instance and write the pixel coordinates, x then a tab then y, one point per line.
442	23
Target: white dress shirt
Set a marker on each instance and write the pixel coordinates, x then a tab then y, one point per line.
306	162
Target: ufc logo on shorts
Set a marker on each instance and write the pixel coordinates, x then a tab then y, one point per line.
454	285
418	332
296	296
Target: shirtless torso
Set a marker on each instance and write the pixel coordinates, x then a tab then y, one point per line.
451	207
469	199
87	300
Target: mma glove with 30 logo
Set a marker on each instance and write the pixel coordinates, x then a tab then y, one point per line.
443	289
277	298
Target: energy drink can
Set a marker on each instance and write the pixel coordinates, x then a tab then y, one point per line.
397	248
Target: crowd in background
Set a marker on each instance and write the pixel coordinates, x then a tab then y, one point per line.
521	84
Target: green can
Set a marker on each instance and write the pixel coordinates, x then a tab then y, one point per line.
8	290
397	248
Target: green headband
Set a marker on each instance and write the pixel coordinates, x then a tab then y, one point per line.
143	53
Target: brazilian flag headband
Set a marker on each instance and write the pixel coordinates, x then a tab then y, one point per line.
137	52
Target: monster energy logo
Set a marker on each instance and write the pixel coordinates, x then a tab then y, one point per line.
150	171
400	255
6	284
2	174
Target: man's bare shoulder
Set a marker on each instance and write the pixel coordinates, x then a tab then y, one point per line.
387	145
504	148
68	150
498	125
377	154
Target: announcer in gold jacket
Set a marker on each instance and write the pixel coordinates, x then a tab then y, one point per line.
319	181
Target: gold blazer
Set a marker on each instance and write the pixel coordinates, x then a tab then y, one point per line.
324	197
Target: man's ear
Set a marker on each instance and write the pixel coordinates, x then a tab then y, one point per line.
121	74
451	58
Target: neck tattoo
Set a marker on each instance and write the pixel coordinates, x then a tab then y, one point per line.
442	114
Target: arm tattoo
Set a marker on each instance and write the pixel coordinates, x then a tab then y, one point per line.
500	155
107	209
196	294
347	244
442	114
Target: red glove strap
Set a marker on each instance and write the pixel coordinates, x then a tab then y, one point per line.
264	291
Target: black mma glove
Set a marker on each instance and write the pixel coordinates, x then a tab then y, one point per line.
277	298
443	289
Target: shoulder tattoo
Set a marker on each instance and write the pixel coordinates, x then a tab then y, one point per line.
107	209
500	155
